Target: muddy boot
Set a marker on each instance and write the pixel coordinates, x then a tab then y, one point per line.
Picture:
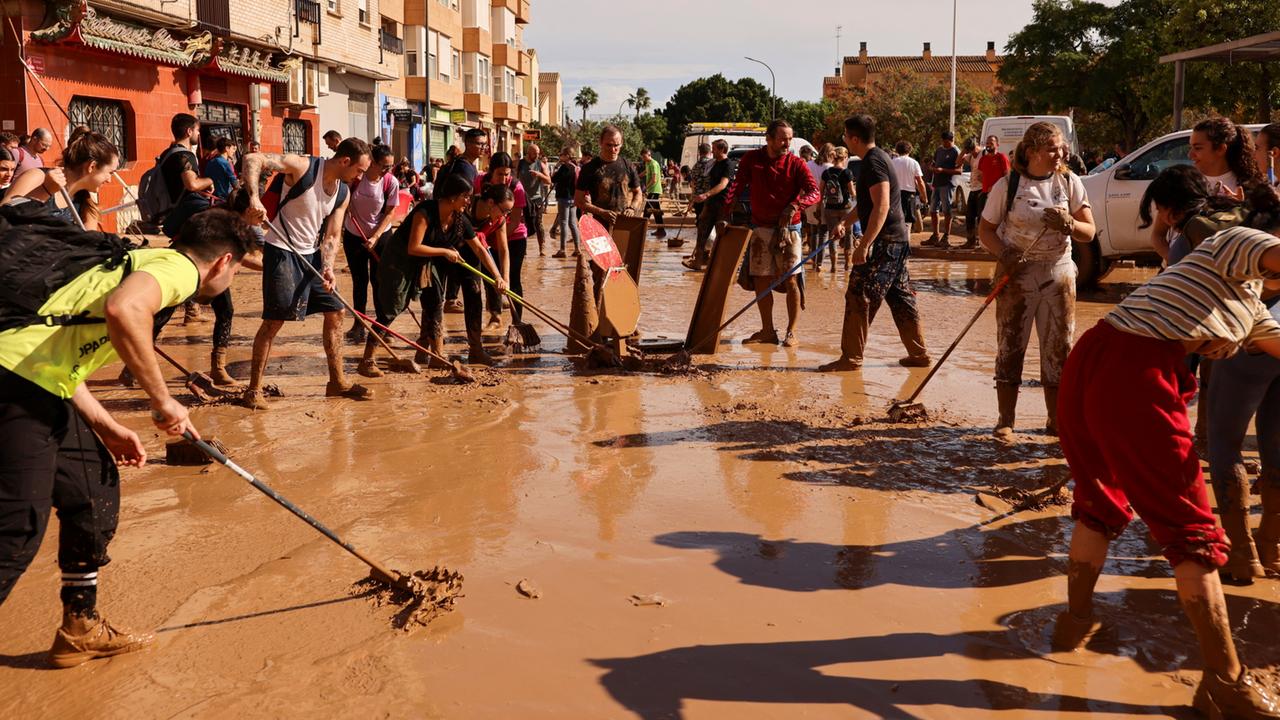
357	334
477	355
369	369
86	637
1241	698
1242	562
254	399
1076	625
1007	398
1269	529
341	388
1051	410
218	368
191	313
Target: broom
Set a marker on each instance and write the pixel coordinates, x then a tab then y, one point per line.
200	384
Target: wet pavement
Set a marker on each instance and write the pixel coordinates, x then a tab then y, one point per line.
807	558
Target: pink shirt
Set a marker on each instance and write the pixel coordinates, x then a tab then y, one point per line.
26	161
369	202
516	229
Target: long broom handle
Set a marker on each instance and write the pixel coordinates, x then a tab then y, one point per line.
1008	275
556	324
221	458
307	264
172	362
397	335
781	279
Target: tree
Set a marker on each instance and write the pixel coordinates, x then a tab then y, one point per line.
809	120
640	100
713	99
1234	89
911	107
586	99
1104	60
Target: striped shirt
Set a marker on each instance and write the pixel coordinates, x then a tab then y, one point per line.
1211	296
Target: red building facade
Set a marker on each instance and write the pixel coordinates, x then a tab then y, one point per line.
126	77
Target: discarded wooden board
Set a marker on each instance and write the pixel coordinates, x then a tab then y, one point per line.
619	306
722	270
629	234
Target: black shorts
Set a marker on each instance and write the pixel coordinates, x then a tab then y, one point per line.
289	290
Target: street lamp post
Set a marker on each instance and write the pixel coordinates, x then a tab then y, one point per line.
422	60
954	15
774	85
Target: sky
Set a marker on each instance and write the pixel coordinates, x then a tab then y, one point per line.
615	46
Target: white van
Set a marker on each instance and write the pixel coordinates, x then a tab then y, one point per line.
738	135
1010	130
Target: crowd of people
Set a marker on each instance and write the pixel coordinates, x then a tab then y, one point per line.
1116	397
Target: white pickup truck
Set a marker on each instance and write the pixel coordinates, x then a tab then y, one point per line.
1115	195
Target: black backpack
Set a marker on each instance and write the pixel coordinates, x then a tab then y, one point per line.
154	200
832	193
39	254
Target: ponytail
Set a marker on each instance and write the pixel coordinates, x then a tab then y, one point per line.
1039	135
1239	143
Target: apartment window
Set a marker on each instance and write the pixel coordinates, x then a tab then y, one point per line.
411	63
457	64
364	12
296	133
102	116
446	59
433	42
333	6
510	85
486	67
358	105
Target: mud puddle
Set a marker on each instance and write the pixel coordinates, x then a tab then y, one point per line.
803	557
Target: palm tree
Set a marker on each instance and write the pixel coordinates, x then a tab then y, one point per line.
640	100
586	99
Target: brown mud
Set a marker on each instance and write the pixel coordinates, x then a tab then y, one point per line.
793	553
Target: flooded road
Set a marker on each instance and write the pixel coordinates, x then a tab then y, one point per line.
750	542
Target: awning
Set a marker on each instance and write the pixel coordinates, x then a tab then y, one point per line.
78	24
243	61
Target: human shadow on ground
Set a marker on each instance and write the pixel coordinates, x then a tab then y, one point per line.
997	556
1145	625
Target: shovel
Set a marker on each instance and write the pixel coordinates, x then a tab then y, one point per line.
908	411
200	385
425	596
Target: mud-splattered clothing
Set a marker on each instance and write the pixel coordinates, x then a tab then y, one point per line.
883	278
609	184
1042	291
1042	294
1246	387
773	184
1123	426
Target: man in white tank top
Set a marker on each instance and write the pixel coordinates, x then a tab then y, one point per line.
306	229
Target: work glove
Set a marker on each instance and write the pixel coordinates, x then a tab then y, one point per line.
1008	261
1059	220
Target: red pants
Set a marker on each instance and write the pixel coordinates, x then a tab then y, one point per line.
1122	421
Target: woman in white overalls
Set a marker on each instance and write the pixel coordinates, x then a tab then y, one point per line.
1030	229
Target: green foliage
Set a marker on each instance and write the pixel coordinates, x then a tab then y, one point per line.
586	99
809	120
649	132
1103	60
911	107
640	100
1244	91
713	99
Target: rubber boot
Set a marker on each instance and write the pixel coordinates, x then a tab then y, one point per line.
1051	410
86	637
1269	530
218	368
191	313
1007	399
1242	562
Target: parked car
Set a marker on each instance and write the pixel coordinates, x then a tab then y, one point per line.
1115	195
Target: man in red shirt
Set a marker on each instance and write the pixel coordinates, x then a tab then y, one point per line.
780	186
992	165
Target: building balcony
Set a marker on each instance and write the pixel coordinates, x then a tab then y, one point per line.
508	56
389	42
521	11
308	11
447	95
476	40
479	103
513	112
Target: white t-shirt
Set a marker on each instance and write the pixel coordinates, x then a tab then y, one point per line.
1026	220
1223	184
907	170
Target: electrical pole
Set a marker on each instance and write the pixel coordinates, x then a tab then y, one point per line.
954	16
424	60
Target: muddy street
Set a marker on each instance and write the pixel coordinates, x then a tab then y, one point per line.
751	541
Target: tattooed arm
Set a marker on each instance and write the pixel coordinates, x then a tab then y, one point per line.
257	164
330	242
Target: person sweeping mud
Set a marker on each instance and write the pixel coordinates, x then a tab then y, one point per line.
59	448
1125	433
878	257
423	250
512	246
1039	209
781	187
311	221
374	199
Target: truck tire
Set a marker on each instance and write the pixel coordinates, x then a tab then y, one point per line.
1090	265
